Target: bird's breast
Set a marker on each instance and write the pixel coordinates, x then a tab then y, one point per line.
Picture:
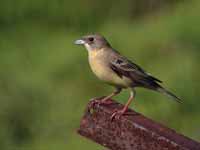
100	67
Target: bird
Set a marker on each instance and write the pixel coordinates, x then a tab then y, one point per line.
117	70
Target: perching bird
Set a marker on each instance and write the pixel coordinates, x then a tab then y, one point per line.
113	68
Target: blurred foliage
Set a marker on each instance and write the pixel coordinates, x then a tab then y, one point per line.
45	80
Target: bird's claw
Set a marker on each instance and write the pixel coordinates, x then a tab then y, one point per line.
117	114
97	102
93	103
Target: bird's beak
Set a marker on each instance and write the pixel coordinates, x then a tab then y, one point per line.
79	42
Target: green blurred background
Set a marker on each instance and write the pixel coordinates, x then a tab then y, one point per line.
46	82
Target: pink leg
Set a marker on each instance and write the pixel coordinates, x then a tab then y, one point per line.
119	113
105	99
117	91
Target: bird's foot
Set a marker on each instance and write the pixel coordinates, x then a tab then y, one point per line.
99	101
118	113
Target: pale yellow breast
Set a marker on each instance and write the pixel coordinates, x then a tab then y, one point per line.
100	66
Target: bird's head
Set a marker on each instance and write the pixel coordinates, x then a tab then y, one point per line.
93	42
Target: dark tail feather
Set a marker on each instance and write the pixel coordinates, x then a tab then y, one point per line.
169	94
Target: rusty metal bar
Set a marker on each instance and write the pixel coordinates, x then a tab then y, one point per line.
130	132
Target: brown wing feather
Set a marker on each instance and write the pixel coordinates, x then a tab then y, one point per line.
123	67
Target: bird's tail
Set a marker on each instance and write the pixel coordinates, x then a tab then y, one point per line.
169	94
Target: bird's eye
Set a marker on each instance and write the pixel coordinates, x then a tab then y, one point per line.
119	61
91	39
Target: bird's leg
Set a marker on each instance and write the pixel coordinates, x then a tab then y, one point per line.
117	91
119	113
105	99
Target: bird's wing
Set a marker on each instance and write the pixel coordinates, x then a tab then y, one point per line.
124	67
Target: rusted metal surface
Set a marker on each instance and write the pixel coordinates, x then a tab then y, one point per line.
130	132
